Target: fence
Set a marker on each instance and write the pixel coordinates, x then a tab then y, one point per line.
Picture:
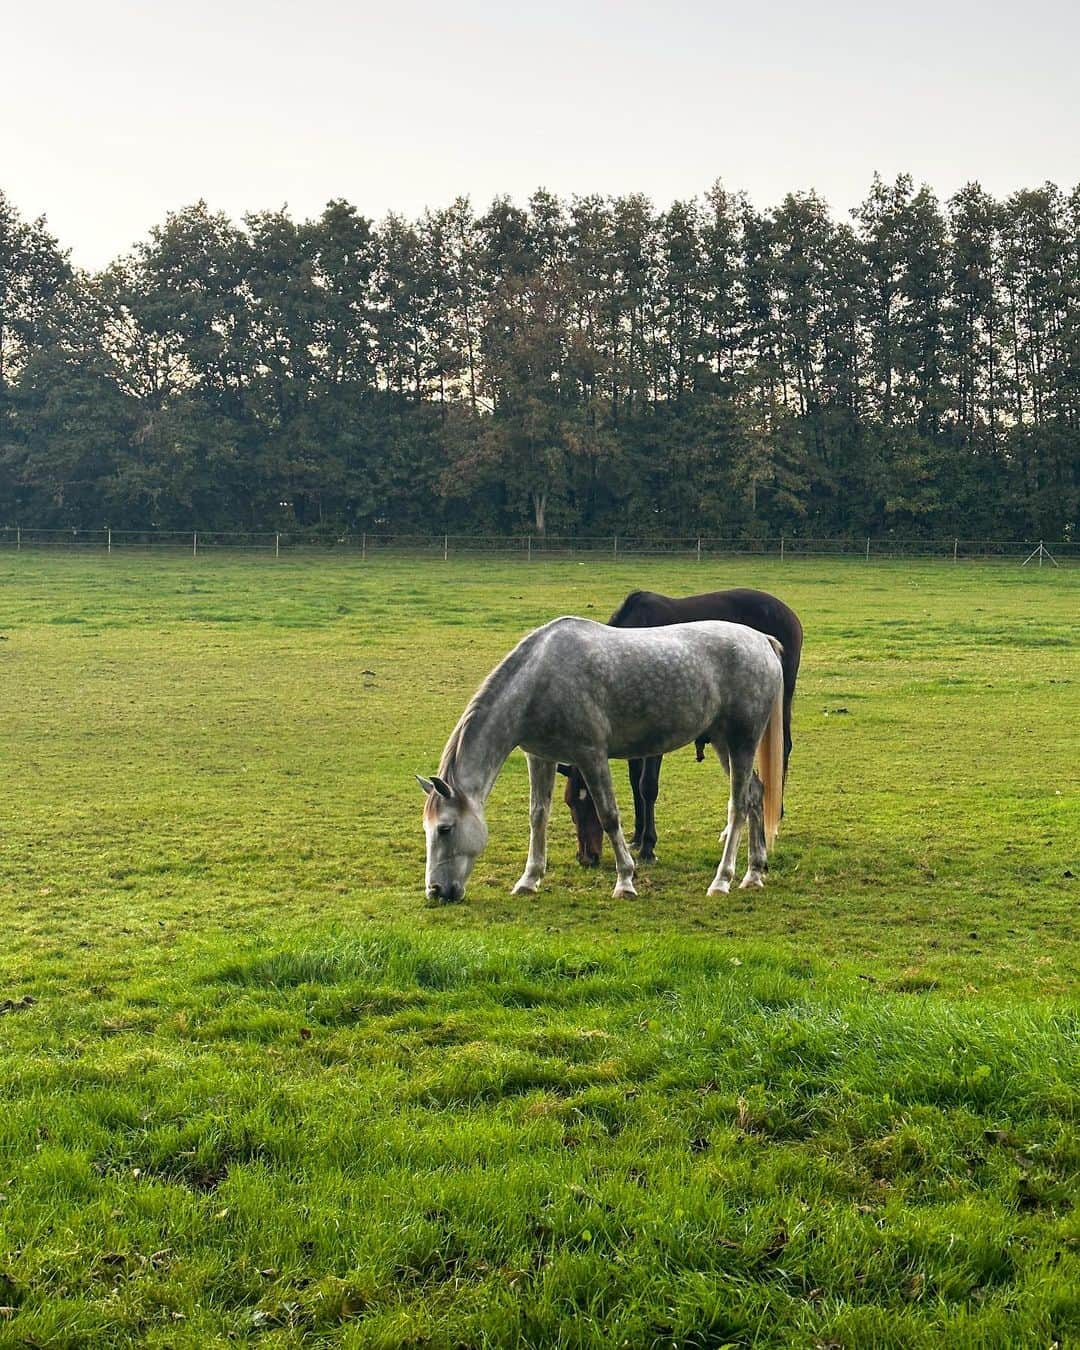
528	547
114	541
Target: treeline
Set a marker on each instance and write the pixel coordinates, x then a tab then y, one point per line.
590	366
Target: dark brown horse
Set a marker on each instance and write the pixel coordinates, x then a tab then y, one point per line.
647	609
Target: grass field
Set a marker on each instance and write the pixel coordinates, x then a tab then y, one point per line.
253	1090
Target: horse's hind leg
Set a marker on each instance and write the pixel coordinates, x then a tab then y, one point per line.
756	819
759	862
541	783
722	755
741	767
597	774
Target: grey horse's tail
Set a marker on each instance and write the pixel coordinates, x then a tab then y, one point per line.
771	761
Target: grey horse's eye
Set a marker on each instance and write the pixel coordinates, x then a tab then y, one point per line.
445	829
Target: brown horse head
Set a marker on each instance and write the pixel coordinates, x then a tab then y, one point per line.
590	833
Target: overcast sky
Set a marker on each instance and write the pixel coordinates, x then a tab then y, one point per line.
116	111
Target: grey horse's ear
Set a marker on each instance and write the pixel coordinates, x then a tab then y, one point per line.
425	783
564	769
440	787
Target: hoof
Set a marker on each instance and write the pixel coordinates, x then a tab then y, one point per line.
438	901
525	888
752	882
719	888
649	857
624	891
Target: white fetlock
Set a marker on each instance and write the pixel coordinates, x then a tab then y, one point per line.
720	886
623	890
526	886
752	881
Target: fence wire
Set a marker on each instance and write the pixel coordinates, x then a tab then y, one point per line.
374	543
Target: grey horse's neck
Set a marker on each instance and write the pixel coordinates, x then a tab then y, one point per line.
487	731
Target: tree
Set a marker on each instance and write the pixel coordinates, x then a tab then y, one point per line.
592	364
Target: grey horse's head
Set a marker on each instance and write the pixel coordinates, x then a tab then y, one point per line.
456	834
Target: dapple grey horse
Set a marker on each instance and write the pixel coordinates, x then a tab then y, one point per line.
647	609
580	692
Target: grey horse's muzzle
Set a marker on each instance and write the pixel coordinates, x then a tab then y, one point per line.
450	894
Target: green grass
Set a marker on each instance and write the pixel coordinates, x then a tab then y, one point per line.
253	1090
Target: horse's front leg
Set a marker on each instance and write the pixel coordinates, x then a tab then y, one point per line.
636	768
541	783
597	774
650	790
741	768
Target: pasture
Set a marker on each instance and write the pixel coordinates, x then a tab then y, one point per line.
254	1090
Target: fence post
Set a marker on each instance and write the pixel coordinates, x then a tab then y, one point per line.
781	546
528	548
616	541
108	544
868	550
277	544
699	548
18	538
445	546
195	543
955	548
363	547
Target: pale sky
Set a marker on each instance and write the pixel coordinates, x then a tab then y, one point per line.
113	112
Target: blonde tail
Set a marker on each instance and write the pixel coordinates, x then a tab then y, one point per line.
771	762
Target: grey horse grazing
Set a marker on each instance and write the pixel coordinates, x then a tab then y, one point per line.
647	609
583	693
